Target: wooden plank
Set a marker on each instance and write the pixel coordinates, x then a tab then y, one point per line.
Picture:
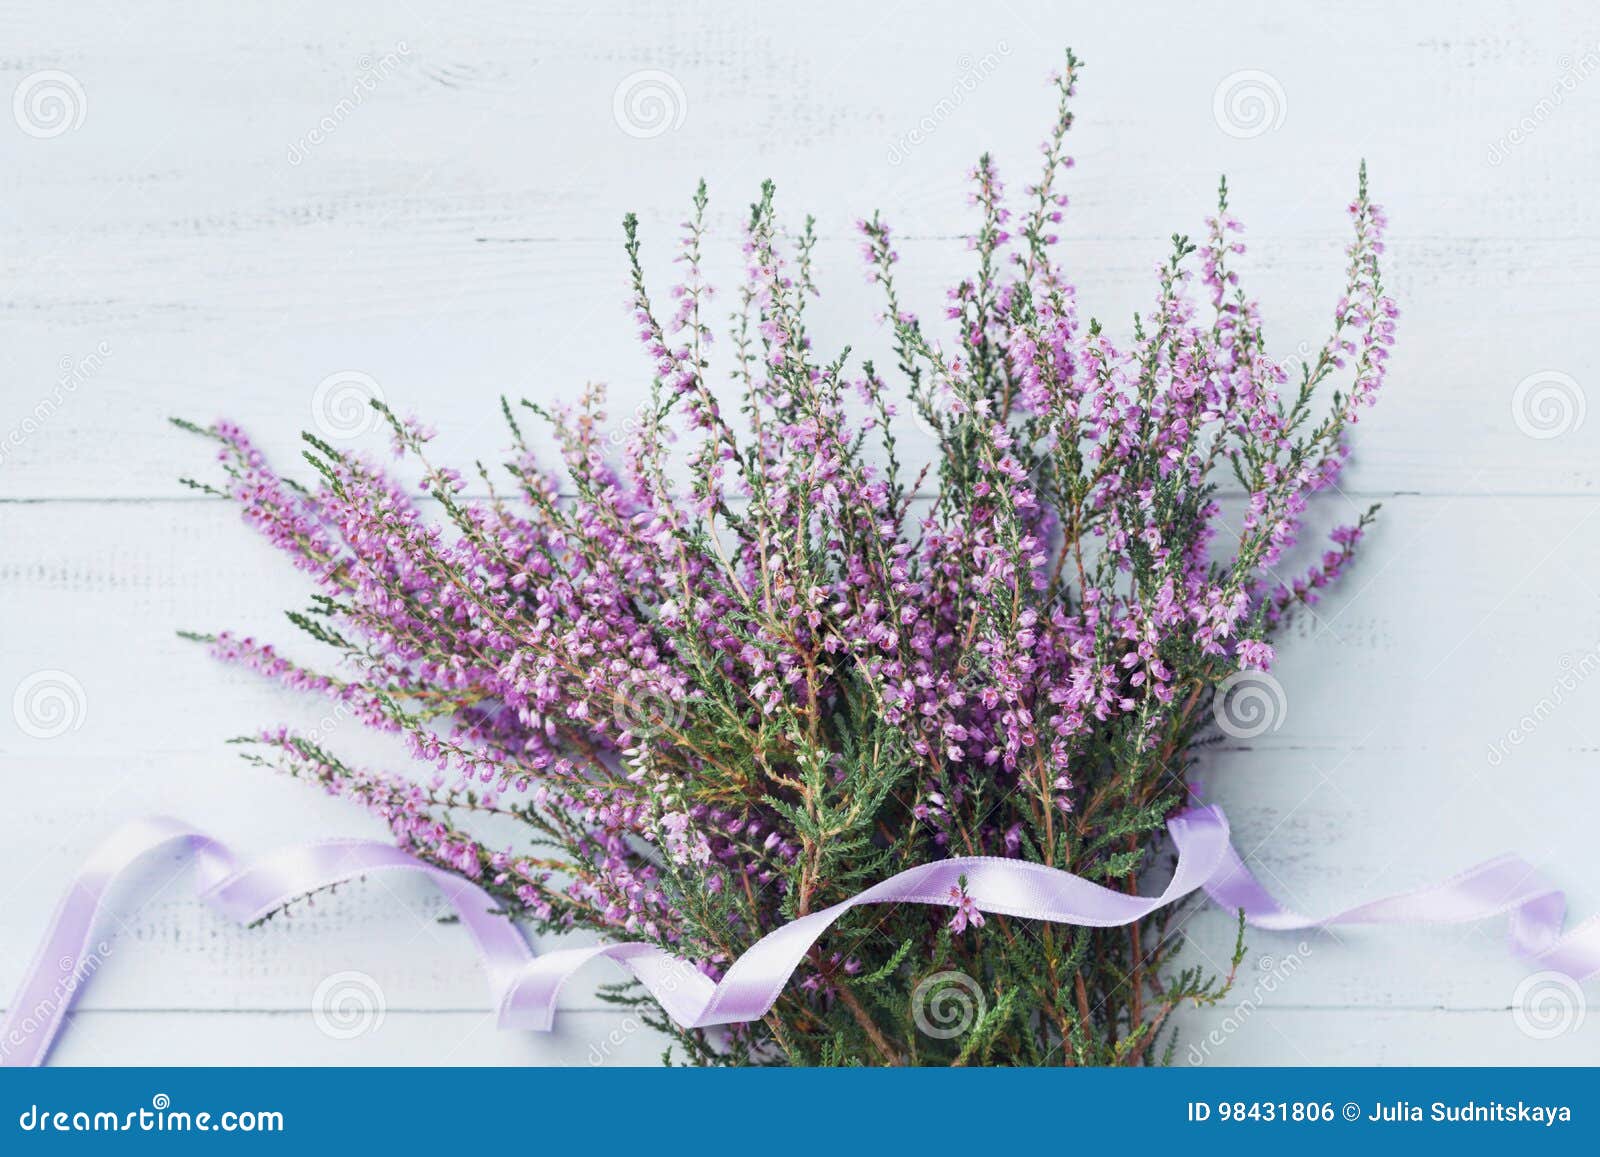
398	1037
1268	1035
1280	1036
429	196
459	225
86	414
1459	631
1461	614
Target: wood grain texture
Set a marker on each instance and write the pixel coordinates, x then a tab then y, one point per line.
229	226
1268	1036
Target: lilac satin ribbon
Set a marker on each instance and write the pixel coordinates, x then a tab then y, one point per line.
526	986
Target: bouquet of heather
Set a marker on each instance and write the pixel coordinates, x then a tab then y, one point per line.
748	666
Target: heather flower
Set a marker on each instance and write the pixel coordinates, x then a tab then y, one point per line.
966	912
746	657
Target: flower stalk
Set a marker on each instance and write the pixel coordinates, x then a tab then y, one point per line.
739	664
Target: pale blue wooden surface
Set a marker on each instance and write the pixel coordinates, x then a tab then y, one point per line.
226	226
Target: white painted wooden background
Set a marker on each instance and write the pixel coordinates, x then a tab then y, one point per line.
210	233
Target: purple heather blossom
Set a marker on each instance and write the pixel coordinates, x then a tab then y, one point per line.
690	657
966	912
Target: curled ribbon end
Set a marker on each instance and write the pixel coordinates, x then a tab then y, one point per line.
527	987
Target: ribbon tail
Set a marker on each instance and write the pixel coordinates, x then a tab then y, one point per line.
527	988
67	958
1505	886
